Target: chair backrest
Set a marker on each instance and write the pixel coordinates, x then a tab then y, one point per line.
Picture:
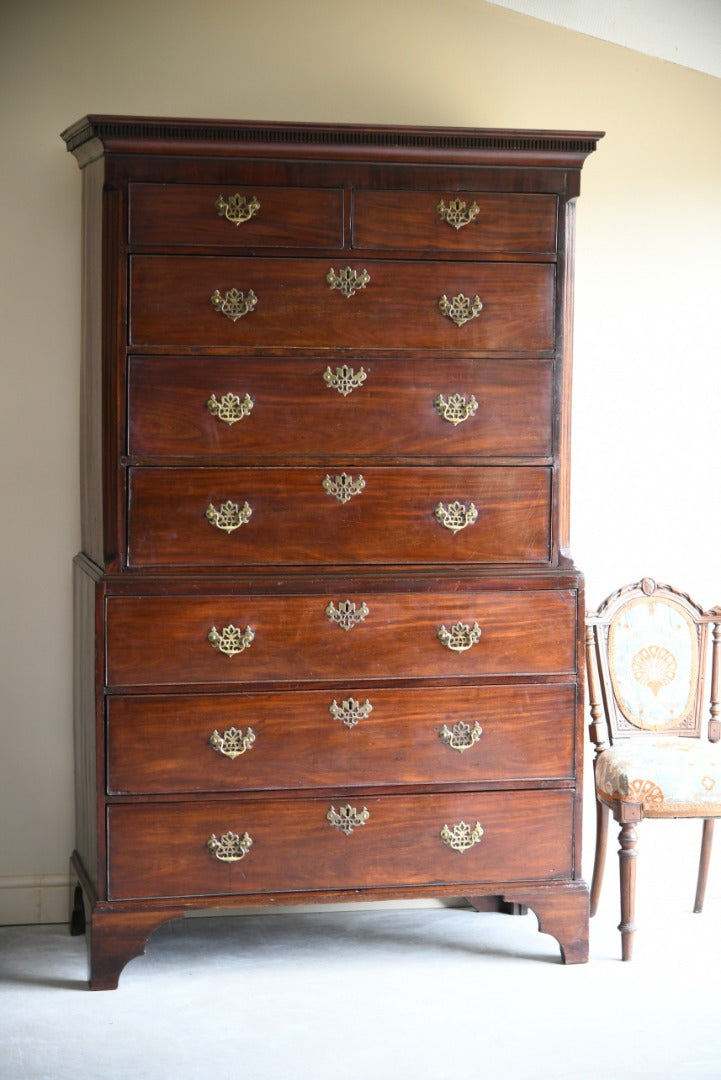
646	655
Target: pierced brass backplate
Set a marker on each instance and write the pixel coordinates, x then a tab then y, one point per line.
460	309
347	614
462	836
347	281
231	408
234	304
231	640
460	637
229	516
344	379
343	487
347	818
232	743
230	847
237	208
456	213
456	515
461	736
350	711
456	407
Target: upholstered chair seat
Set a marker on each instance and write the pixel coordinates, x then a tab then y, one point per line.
669	777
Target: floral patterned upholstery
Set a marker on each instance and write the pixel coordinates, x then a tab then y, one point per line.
670	777
653	657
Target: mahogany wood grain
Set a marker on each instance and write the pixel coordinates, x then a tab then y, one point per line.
410	219
177	214
171	304
295	414
392	519
156	640
155	576
162	744
162	849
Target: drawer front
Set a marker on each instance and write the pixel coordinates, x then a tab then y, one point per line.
161	640
463	221
348	738
294	305
162	850
237	217
278	407
184	517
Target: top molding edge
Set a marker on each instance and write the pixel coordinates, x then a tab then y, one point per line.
94	136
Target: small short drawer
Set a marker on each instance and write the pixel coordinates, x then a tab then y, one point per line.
248	303
283	408
347	738
286	845
348	634
177	215
463	221
372	516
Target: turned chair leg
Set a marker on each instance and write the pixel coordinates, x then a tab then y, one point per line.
706	842
599	859
627	855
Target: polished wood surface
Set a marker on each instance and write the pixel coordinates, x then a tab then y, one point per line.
156	640
410	219
332	386
163	850
171	304
295	520
162	744
295	414
187	215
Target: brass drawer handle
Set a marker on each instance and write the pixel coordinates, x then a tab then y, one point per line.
231	640
462	836
456	516
347	818
237	208
456	214
229	516
230	847
343	487
460	309
234	304
460	637
347	614
347	281
461	736
232	743
344	379
456	407
231	408
350	711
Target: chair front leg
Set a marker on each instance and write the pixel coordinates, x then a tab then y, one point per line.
703	865
627	855
599	859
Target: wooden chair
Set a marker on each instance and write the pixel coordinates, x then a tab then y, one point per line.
646	653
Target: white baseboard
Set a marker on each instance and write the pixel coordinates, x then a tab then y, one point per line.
26	900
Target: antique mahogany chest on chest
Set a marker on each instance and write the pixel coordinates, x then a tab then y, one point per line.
328	633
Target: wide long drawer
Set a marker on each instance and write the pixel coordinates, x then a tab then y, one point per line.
277	407
292	845
223	216
379	636
351	738
220	517
253	303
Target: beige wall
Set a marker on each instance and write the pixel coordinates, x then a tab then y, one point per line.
646	492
